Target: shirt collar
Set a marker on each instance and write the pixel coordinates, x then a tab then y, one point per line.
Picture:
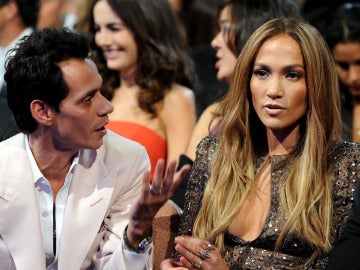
34	167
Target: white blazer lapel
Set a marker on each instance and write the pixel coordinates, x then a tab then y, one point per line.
88	201
19	224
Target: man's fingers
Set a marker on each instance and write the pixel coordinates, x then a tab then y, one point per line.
170	176
156	184
178	177
165	185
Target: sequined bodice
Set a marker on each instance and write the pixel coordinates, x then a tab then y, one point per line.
344	171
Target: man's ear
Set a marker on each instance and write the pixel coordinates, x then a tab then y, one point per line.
41	112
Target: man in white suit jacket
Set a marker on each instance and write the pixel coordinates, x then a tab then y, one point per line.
72	195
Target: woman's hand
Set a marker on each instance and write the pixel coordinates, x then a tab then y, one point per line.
196	253
170	264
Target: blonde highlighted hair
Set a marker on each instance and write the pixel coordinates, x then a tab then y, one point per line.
306	196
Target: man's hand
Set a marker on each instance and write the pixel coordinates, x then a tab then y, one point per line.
153	197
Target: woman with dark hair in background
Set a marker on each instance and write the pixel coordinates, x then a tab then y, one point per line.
147	74
343	37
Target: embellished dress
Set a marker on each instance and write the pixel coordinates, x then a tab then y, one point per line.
344	171
154	144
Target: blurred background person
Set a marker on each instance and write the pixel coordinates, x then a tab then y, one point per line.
83	19
51	14
178	6
63	13
319	13
73	11
147	74
17	19
199	20
343	37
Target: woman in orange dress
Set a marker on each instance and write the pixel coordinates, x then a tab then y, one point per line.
147	74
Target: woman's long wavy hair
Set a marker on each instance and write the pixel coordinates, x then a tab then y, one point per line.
163	58
306	195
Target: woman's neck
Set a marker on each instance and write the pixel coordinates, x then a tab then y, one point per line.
127	79
282	143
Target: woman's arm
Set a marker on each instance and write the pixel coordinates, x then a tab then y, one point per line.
179	116
201	129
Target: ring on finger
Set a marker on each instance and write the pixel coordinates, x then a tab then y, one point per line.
197	265
204	254
155	191
209	247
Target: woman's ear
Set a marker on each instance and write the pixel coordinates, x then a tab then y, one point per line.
41	112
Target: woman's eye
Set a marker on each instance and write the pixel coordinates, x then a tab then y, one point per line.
115	28
226	29
260	73
293	75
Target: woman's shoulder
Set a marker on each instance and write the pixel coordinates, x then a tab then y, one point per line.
179	100
178	92
344	150
207	146
344	165
209	112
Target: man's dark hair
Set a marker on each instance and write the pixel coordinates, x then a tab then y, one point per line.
33	71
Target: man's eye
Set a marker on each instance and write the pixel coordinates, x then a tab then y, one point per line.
88	100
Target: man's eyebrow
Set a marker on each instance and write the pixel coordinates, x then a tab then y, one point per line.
91	92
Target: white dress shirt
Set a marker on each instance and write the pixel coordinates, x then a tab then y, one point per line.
44	197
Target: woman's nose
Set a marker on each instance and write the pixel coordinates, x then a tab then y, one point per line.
274	88
102	38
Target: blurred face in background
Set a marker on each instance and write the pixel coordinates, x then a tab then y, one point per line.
115	39
50	13
176	5
347	58
226	59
